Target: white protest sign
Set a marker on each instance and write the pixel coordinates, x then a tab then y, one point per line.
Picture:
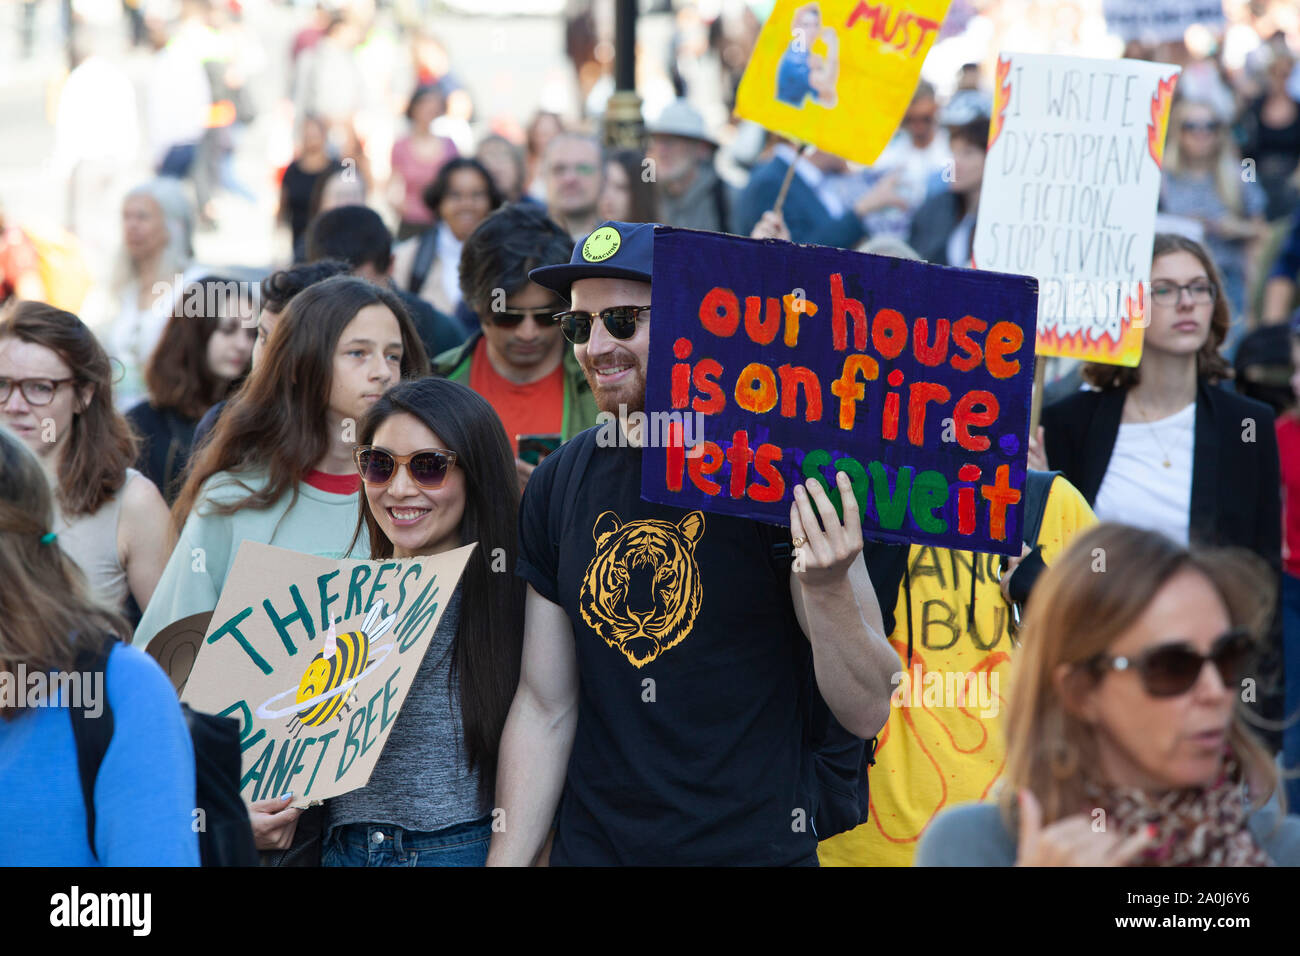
1071	182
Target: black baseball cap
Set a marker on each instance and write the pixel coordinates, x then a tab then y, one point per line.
613	250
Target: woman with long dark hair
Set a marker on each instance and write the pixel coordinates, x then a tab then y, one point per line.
438	474
277	467
201	358
461	196
144	790
56	395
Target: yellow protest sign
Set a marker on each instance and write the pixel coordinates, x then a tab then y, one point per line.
839	73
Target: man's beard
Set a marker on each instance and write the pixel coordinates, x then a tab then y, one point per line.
630	395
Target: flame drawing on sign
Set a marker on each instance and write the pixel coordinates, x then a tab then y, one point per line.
1159	124
1126	350
1001	96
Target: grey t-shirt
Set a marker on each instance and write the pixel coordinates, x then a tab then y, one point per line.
422	781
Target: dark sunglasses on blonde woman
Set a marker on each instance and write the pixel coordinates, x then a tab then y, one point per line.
1168	670
428	467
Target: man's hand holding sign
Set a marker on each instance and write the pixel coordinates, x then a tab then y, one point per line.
833	597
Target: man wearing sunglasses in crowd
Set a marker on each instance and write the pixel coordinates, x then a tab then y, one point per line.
669	654
518	360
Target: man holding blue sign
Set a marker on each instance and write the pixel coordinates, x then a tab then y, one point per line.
669	653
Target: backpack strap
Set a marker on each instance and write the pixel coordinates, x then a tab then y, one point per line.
426	251
1038	488
92	736
1038	484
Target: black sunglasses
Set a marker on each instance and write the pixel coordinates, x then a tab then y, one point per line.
1169	670
545	318
620	322
428	467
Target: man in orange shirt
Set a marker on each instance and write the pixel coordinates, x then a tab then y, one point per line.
519	360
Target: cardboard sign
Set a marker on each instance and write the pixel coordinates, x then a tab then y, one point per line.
839	73
314	657
1160	21
772	363
1070	188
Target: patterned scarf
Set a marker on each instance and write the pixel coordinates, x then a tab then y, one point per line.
1195	826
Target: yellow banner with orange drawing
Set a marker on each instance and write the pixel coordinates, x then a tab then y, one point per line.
839	73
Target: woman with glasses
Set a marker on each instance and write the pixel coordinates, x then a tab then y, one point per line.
1160	446
438	474
1202	180
56	395
1123	747
277	467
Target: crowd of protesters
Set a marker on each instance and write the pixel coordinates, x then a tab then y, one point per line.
436	299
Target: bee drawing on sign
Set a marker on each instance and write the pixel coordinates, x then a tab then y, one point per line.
325	690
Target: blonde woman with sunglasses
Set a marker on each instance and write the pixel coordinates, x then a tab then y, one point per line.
1123	747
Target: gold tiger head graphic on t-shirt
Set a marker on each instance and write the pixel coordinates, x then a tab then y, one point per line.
642	589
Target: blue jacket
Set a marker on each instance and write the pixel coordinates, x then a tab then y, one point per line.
805	216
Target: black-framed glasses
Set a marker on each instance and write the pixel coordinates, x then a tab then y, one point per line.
1201	292
546	318
1168	670
1201	126
620	322
429	467
36	391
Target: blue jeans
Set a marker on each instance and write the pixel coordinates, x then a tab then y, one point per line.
1291	667
373	844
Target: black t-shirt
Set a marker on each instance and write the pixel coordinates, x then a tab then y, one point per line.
298	185
693	671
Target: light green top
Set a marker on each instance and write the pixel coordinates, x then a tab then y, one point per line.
319	523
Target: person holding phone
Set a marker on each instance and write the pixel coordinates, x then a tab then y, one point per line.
518	361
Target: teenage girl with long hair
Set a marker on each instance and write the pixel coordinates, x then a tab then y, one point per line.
278	466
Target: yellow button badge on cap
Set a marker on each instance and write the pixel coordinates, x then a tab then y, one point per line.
601	244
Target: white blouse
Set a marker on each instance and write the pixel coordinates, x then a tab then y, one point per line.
1138	489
